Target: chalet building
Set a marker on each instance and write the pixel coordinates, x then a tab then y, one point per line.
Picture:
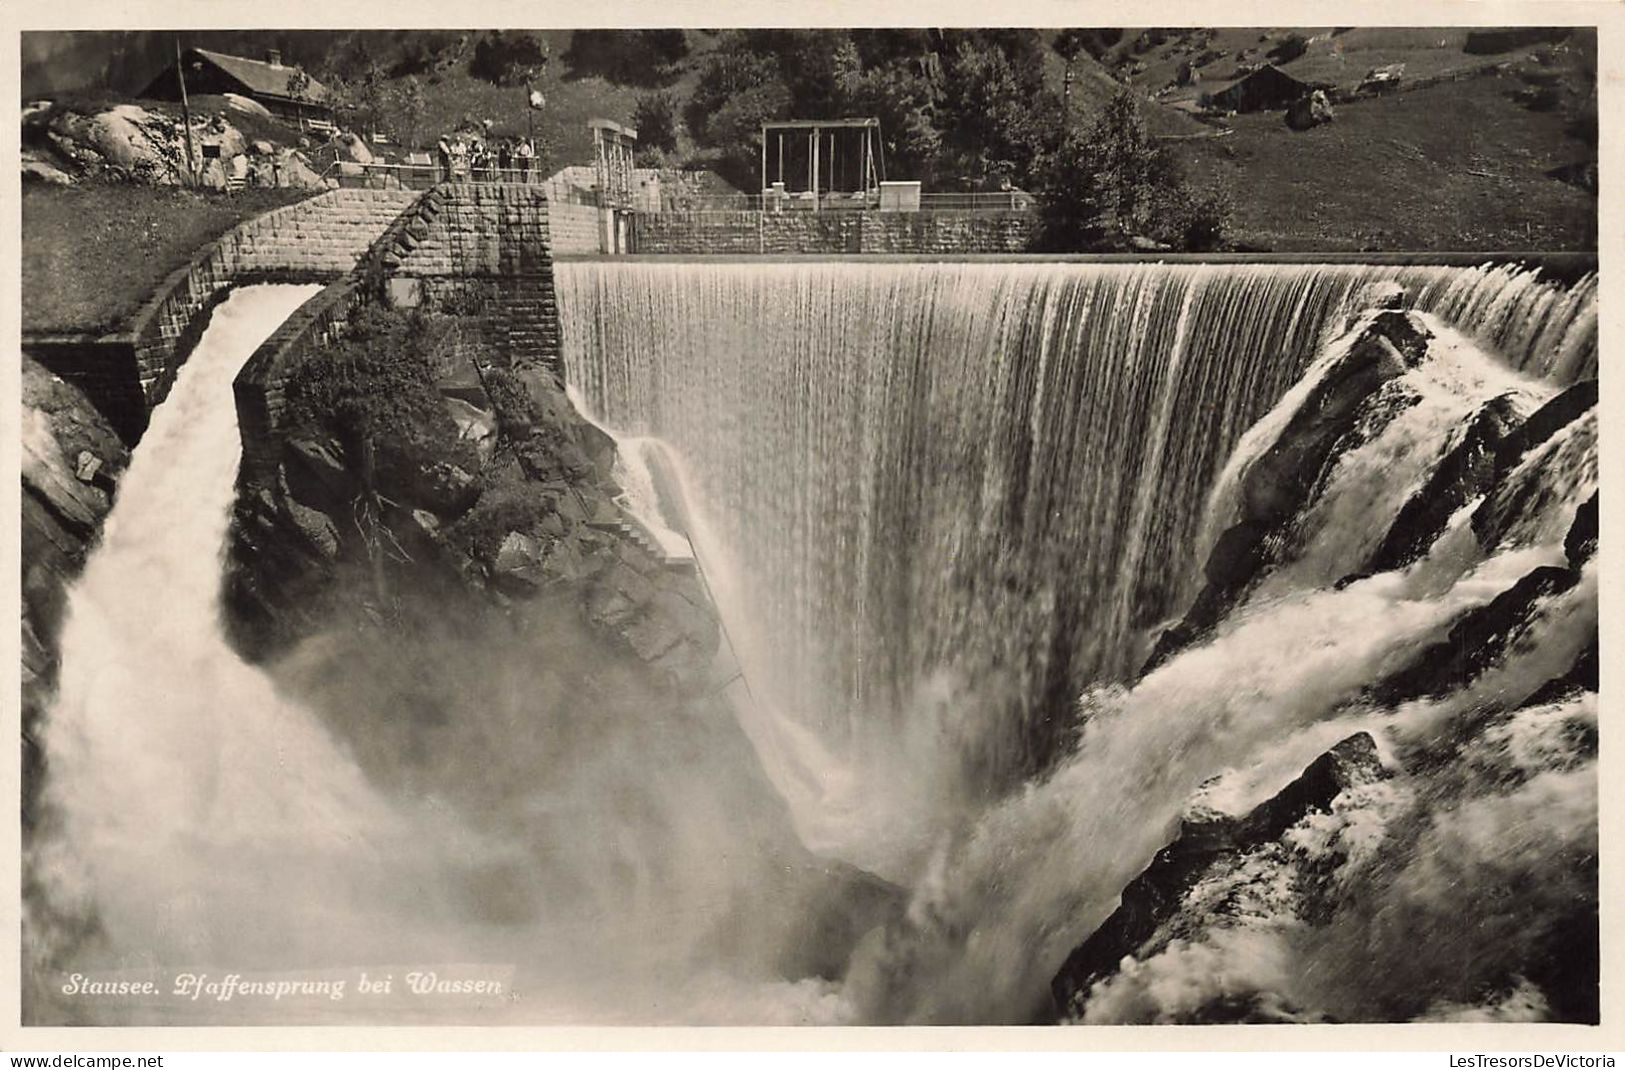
1265	89
287	92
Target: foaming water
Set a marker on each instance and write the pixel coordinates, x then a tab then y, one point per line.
941	509
954	495
599	856
201	813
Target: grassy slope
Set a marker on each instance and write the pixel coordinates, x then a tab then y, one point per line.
93	254
1396	173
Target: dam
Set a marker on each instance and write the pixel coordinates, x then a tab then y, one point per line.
970	529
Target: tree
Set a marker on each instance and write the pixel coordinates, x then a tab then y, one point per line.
1290	48
299	91
1112	183
402	109
904	101
507	57
738	90
995	115
656	121
626	57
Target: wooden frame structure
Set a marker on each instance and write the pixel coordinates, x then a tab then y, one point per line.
613	147
822	163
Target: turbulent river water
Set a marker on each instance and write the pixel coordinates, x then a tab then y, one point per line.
942	509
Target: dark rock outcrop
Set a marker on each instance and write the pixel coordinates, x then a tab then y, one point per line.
1509	497
509	616
1476	642
1283	479
71	463
1460	476
1309	111
1204	839
1581	541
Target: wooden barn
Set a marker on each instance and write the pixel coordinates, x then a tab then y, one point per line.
287	92
1265	89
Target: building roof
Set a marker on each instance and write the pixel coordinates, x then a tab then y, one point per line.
262	78
1267	71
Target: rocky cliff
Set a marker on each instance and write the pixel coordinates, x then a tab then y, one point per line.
439	566
1441	861
71	463
66	143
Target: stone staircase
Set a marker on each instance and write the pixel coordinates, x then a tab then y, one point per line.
618	522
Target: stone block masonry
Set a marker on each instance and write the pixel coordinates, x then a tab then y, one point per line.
487	247
127	373
832	233
575	228
460	247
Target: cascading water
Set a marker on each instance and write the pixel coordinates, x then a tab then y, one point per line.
204	822
951	496
200	814
943	509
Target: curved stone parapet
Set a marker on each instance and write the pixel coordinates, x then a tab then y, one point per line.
128	372
459	245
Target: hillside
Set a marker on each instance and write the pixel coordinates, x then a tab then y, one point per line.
1486	144
1456	166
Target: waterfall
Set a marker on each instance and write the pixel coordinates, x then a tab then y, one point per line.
204	821
945	511
198	810
953	495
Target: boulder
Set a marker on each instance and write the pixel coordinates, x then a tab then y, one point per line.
352	148
37	170
297	174
1278	483
246	105
1282	479
1207	837
474	425
314	470
1310	111
1581	542
1477	641
1521	492
1543	423
1463	474
1384	294
443	487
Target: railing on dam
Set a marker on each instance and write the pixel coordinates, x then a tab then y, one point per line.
426	174
422	176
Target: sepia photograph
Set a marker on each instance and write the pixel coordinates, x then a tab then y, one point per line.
741	524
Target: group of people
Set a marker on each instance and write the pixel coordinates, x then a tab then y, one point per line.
507	159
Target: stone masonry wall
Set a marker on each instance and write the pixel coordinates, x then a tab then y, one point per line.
319	238
831	233
575	228
127	373
459	246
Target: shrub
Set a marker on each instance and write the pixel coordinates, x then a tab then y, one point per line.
505	507
1112	183
626	57
376	386
1289	48
656	121
515	408
507	57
